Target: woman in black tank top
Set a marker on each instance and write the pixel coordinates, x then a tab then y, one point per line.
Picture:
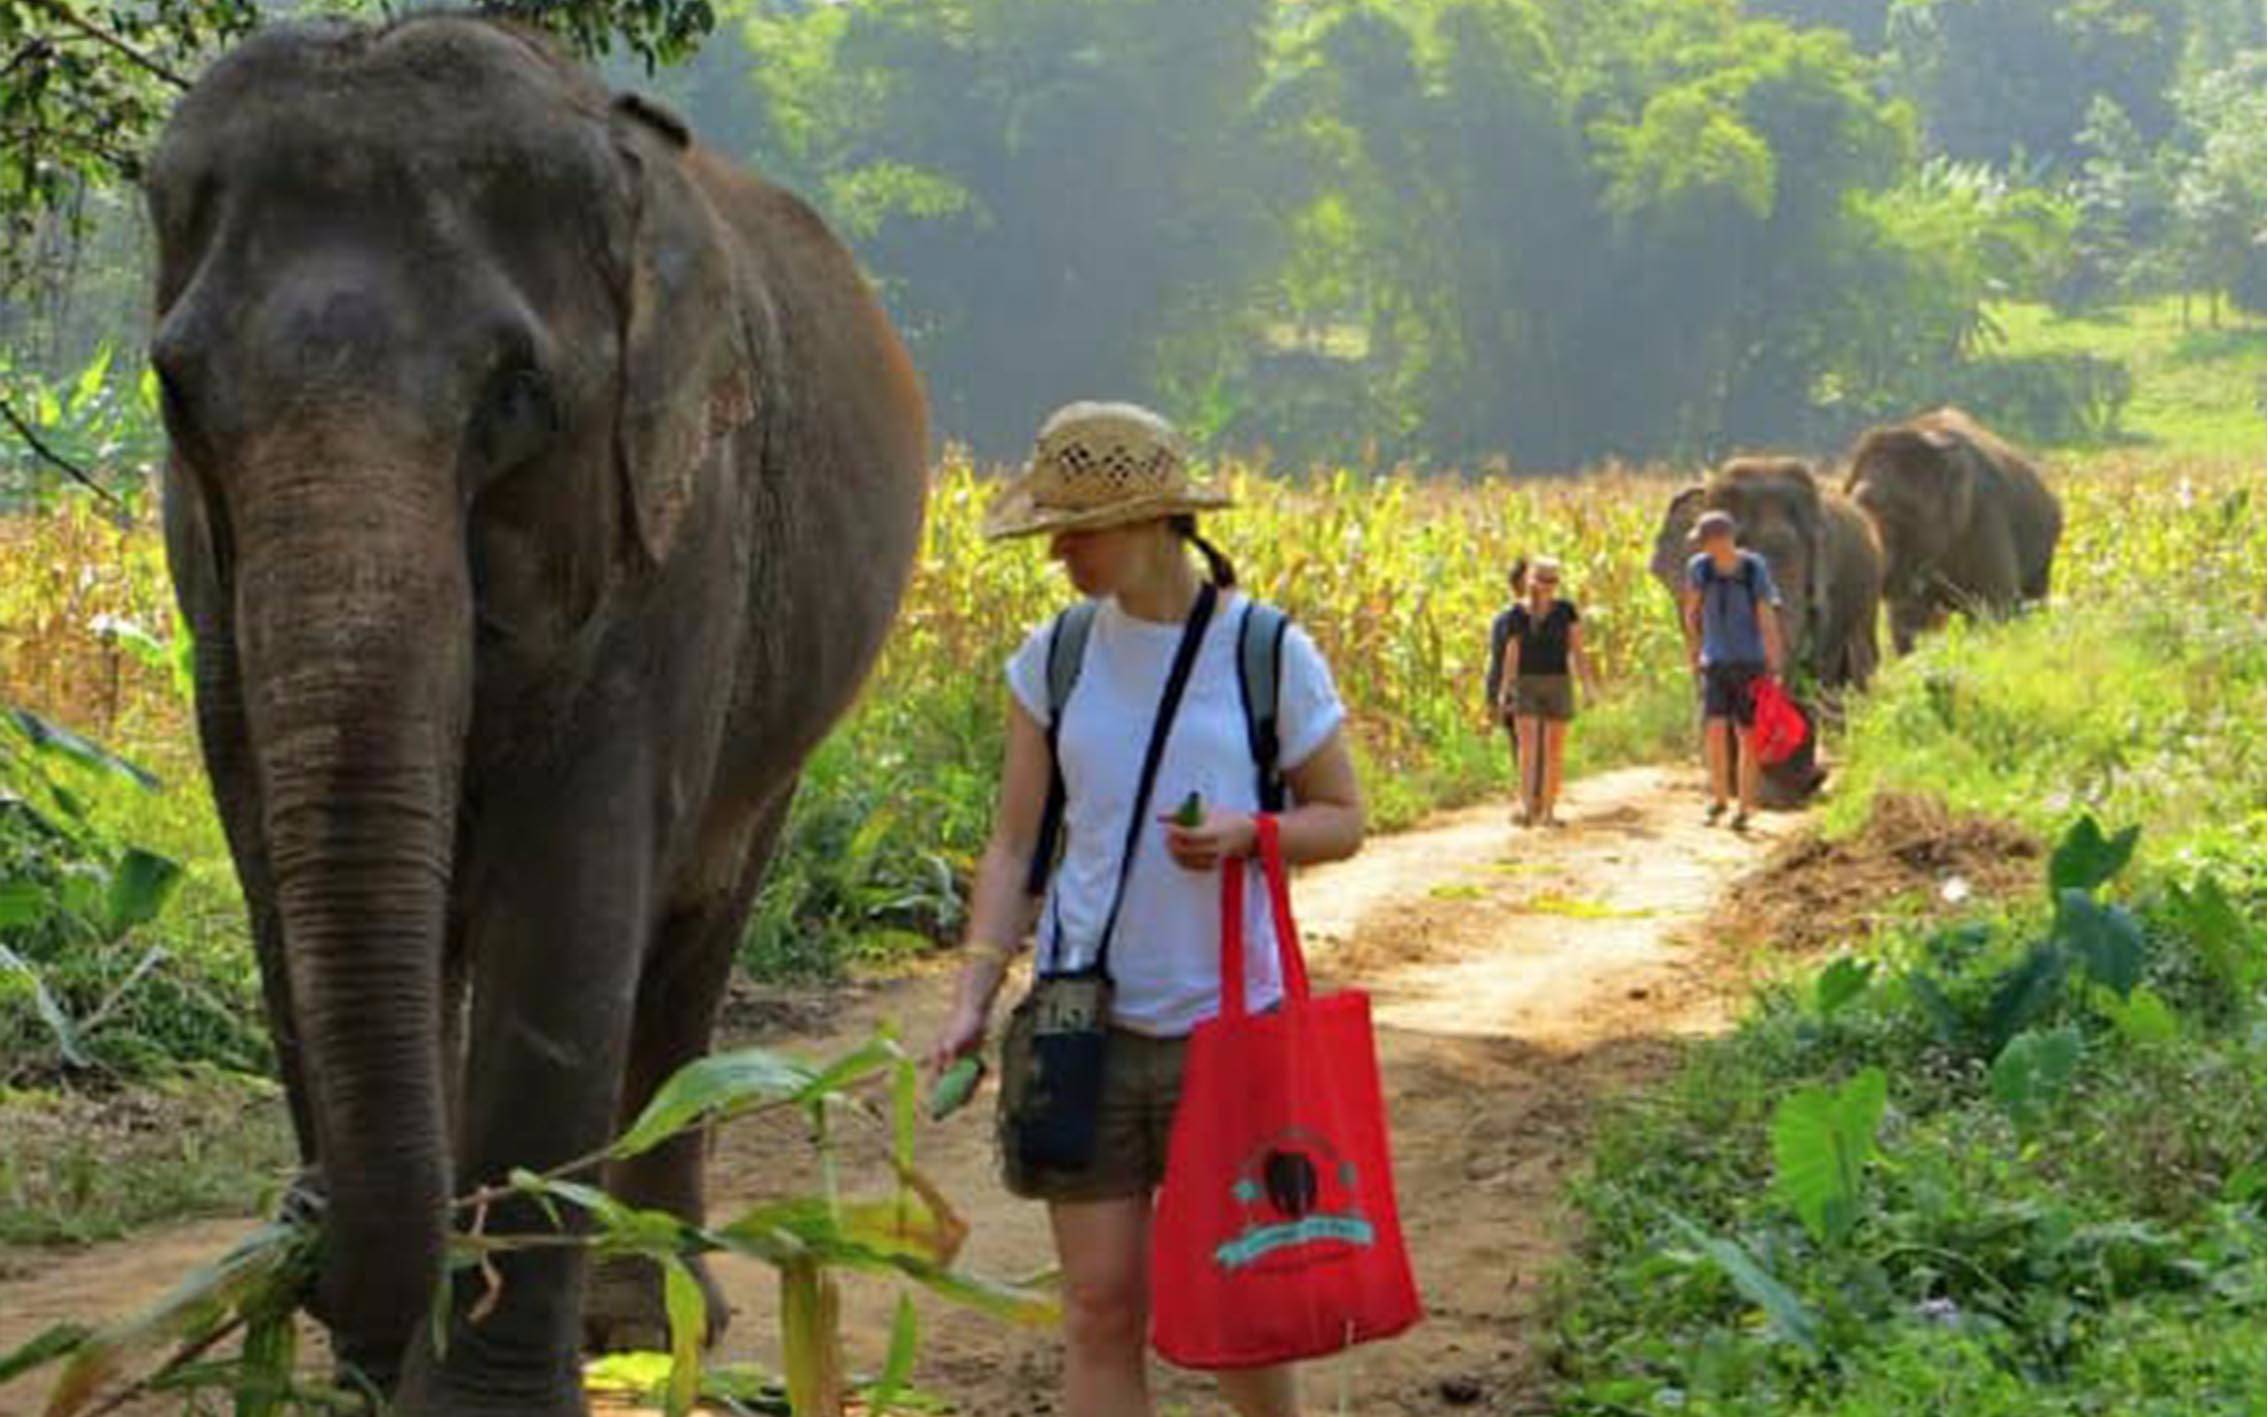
1546	639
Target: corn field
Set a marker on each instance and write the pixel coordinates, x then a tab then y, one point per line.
1396	577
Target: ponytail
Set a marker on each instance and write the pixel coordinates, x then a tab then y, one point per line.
1218	565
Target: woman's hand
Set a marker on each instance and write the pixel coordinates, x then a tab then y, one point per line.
1222	836
962	1035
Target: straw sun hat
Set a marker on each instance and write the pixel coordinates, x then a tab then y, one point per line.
1098	465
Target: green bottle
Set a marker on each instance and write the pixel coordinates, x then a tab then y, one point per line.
1192	811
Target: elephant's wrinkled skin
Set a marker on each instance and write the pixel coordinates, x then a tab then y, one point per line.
541	490
1966	523
1825	561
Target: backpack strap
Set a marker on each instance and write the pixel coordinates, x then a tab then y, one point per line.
1066	655
1259	682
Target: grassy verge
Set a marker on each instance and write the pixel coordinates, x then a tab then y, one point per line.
2196	386
2008	1166
79	1168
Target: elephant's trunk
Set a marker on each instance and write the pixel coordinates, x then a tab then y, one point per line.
354	626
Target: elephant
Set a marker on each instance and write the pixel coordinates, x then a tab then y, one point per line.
1825	561
1965	521
540	488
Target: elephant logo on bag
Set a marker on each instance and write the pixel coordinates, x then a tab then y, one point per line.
1300	1203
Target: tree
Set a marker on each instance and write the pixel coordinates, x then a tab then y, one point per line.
83	88
2004	81
1055	194
2220	185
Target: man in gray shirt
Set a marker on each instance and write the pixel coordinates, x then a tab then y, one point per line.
1732	639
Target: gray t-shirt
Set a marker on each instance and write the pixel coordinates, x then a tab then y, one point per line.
1732	630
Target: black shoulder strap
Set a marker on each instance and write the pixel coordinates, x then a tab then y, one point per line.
1066	654
1161	727
1259	681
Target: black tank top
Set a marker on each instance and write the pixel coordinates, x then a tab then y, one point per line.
1543	643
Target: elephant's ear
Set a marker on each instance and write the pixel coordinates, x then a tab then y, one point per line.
687	374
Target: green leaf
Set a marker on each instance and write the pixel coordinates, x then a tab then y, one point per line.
269	1267
623	1229
140	885
2142	1018
897	1368
2034	1070
52	1343
905	1111
2107	941
264	1381
53	739
688	1310
43	1003
2025	993
875	1055
2085	858
1839	983
1945	1021
1821	1143
711	1089
1789	1315
23	903
2232	945
91	379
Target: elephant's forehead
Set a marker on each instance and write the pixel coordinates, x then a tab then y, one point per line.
446	105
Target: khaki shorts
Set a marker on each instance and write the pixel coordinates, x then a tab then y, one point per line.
1141	1089
1548	696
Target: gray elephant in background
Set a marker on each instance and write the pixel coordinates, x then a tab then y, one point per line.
1824	559
541	489
1964	519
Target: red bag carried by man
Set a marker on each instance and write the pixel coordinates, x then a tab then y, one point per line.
1780	725
1276	1236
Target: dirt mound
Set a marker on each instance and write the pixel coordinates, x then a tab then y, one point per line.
1913	857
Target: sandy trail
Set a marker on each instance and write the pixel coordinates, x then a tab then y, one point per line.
1519	978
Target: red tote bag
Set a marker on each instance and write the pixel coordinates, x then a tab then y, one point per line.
1780	729
1276	1236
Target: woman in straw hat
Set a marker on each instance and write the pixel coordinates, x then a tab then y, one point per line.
1108	485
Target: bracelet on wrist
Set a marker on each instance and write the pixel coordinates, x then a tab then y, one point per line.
993	951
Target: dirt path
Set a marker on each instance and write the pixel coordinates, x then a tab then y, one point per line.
1519	979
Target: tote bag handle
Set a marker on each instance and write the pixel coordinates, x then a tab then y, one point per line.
1293	963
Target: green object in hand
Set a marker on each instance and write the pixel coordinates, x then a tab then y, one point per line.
954	1088
1191	813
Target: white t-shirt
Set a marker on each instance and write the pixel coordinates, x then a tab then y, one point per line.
1165	954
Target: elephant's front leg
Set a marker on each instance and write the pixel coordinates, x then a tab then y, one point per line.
678	995
561	889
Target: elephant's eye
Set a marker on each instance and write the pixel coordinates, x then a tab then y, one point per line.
518	416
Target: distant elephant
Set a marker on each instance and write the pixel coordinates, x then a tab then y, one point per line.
1965	521
1824	559
541	490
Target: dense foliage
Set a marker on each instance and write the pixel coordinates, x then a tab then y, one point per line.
1470	232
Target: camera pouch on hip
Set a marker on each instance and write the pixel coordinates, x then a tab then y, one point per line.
1052	1076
